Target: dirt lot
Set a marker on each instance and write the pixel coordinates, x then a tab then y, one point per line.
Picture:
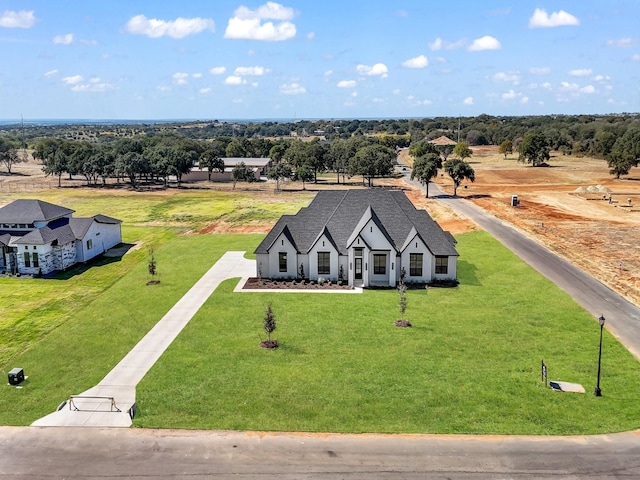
600	237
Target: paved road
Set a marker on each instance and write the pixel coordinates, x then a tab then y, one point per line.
622	316
79	453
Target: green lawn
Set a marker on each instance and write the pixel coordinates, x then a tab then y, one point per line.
470	364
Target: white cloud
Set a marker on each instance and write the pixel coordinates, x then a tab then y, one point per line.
602	78
569	86
311	35
328	73
524	100
379	69
485	43
346	84
51	73
197	75
541	19
250	71
95	85
354	94
217	70
234	80
416	62
622	42
378	100
21	19
440	44
636	57
292	89
546	85
73	80
539	70
396	91
581	72
588	89
248	24
163	88
468	101
180	78
63	39
507	77
206	90
426	102
510	95
178	28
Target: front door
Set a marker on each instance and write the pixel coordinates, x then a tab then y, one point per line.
358	268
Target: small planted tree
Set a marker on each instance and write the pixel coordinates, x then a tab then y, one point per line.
153	268
402	294
269	328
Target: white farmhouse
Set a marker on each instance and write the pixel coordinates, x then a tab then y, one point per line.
37	238
362	237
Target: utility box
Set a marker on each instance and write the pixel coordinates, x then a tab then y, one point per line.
514	201
16	376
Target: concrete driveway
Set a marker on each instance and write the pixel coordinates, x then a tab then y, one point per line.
109	403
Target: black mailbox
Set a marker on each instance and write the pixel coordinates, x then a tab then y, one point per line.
16	376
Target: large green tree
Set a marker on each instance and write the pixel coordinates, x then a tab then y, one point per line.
625	153
424	169
506	148
462	150
373	161
459	170
534	149
280	171
211	158
9	155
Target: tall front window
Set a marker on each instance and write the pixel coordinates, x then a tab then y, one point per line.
282	261
415	264
442	264
89	244
27	260
379	264
324	263
36	261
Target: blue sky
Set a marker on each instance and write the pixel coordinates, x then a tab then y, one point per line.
220	59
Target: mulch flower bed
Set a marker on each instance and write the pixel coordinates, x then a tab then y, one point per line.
269	344
254	283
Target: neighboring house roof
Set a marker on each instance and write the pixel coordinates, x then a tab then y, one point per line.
4	239
42	236
249	162
80	226
339	213
30	211
443	140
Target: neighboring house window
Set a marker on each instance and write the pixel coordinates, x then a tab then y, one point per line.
27	260
282	261
379	264
415	264
89	244
442	264
36	262
324	263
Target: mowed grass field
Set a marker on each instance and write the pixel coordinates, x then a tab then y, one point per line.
470	364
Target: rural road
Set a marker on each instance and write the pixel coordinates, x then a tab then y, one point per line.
99	453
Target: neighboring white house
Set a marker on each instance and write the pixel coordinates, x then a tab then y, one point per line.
362	237
37	238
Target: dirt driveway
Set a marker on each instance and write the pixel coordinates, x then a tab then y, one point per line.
601	238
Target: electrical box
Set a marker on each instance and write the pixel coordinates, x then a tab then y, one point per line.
16	376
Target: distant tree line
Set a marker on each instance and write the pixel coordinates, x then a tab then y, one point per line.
611	137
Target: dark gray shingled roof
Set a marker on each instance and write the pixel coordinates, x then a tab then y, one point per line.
29	211
42	236
340	211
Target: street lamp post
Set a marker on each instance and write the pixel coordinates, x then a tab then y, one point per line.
597	392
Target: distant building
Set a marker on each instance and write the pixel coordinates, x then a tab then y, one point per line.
363	237
258	165
37	238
